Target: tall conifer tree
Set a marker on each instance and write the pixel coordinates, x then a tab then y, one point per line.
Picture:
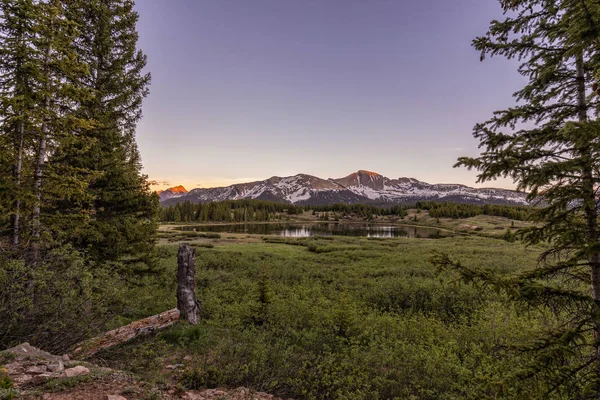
549	143
16	30
71	87
125	211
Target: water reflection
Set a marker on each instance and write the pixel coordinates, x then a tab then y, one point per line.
324	229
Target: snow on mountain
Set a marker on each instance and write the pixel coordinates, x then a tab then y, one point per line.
379	188
291	189
359	187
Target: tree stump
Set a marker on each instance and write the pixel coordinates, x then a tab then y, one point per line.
186	284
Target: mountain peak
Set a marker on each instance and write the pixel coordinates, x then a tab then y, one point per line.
362	178
370	173
178	189
175	191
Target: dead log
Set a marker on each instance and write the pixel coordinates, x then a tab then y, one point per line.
187	304
126	333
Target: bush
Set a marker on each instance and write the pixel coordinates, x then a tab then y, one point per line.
210	377
8	394
65	300
5	381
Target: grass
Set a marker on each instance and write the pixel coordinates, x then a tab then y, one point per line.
66	383
337	318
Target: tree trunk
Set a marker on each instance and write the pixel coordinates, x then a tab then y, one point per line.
18	175
590	212
186	284
39	164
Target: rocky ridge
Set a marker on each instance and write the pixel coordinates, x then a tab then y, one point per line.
359	187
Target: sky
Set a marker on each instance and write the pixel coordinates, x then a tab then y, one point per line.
243	90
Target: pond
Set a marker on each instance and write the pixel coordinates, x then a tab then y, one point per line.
324	229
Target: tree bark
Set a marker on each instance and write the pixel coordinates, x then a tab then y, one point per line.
18	175
126	333
186	284
39	164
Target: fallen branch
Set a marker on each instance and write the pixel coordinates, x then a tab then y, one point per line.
126	333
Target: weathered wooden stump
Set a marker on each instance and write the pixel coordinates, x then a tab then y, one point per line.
186	284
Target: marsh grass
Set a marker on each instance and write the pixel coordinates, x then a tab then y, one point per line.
344	318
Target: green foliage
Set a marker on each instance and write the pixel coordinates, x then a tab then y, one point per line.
8	394
549	144
361	210
78	220
509	236
5	381
363	319
198	378
257	210
227	211
65	383
73	296
459	210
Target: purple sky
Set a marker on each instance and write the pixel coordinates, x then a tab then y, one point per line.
244	90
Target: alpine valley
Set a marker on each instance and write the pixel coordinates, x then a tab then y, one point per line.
359	187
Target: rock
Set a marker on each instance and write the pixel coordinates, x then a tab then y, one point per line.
76	371
20	380
187	358
115	397
65	357
37	379
175	366
46	396
28	350
56	367
13	368
37	369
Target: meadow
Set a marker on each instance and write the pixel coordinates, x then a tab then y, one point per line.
338	318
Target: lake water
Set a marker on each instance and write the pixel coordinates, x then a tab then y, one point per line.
324	229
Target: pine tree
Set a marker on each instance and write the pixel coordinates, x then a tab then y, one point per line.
71	87
124	209
549	143
16	30
37	99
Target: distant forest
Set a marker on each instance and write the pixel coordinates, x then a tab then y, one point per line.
258	210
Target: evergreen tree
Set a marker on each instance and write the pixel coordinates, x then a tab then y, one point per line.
16	30
549	143
82	214
124	209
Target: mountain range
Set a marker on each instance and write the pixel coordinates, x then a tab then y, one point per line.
359	187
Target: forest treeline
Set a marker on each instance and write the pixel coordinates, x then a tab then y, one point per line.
260	210
460	210
77	218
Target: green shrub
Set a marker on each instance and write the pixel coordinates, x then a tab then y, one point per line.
66	299
62	384
5	381
182	334
8	394
210	377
